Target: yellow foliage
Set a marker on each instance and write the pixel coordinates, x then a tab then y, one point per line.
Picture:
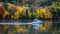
53	4
19	12
24	12
20	9
10	5
37	13
46	13
16	15
58	7
5	13
49	15
29	14
42	12
41	15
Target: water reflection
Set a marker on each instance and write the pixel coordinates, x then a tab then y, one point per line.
49	27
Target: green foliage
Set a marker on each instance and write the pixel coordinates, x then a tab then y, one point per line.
12	11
